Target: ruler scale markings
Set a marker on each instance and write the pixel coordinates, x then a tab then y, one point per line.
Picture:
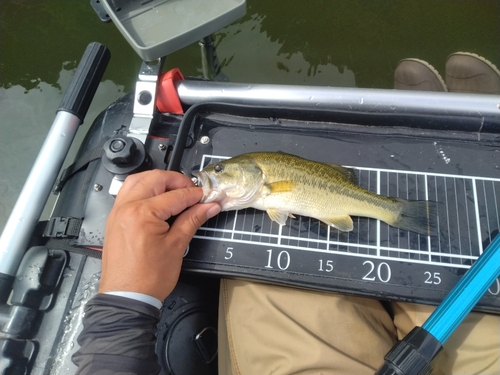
388	248
234	223
458	256
362	175
368	222
243	221
447	212
280	228
328	238
397	189
422	173
478	218
426	186
350	254
486	207
497	214
457	215
438	221
417	198
469	234
254	225
378	221
354	244
318	228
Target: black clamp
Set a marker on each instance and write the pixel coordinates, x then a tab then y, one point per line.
63	227
412	355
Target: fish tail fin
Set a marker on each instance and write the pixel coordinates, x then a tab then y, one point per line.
417	216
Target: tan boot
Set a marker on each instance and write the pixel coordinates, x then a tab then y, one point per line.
415	74
470	73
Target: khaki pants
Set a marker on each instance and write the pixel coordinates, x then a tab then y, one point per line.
267	329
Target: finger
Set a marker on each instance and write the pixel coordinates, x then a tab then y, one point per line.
188	222
151	183
174	202
131	181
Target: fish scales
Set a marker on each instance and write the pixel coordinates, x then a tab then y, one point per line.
320	187
284	184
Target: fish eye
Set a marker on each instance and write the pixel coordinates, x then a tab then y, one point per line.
218	168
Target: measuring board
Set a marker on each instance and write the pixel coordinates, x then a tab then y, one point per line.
374	259
379	253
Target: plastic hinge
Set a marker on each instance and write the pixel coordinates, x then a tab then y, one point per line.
16	355
63	227
100	11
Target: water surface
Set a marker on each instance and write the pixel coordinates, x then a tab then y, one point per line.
343	43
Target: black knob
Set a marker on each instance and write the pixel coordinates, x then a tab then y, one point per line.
120	150
124	155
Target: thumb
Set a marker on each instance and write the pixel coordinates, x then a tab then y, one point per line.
189	221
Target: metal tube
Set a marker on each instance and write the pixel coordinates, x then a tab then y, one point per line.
374	101
19	228
465	295
29	206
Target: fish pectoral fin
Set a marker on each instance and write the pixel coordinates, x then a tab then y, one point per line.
283	186
278	216
342	223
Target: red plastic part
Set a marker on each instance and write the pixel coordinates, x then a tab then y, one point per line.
167	99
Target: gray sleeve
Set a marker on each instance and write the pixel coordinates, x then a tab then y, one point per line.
118	337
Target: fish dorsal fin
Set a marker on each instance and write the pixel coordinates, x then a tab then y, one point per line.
283	186
342	223
348	173
278	215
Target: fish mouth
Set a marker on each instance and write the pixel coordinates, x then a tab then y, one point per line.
211	191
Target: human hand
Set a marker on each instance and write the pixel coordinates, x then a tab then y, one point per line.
142	253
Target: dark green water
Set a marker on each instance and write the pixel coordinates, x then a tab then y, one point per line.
331	43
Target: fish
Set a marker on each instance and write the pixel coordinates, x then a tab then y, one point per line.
285	185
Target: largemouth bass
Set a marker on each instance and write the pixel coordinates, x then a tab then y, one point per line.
282	185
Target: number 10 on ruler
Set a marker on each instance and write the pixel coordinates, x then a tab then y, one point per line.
282	261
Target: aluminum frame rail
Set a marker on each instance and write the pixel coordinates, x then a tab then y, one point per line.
479	112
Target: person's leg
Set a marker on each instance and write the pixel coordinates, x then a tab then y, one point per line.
280	330
470	73
223	354
415	74
472	349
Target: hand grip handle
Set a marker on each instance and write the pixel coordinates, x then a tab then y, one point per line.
87	77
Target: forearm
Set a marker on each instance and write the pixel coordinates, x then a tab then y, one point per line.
118	337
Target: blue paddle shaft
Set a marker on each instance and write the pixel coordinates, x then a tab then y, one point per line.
464	296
